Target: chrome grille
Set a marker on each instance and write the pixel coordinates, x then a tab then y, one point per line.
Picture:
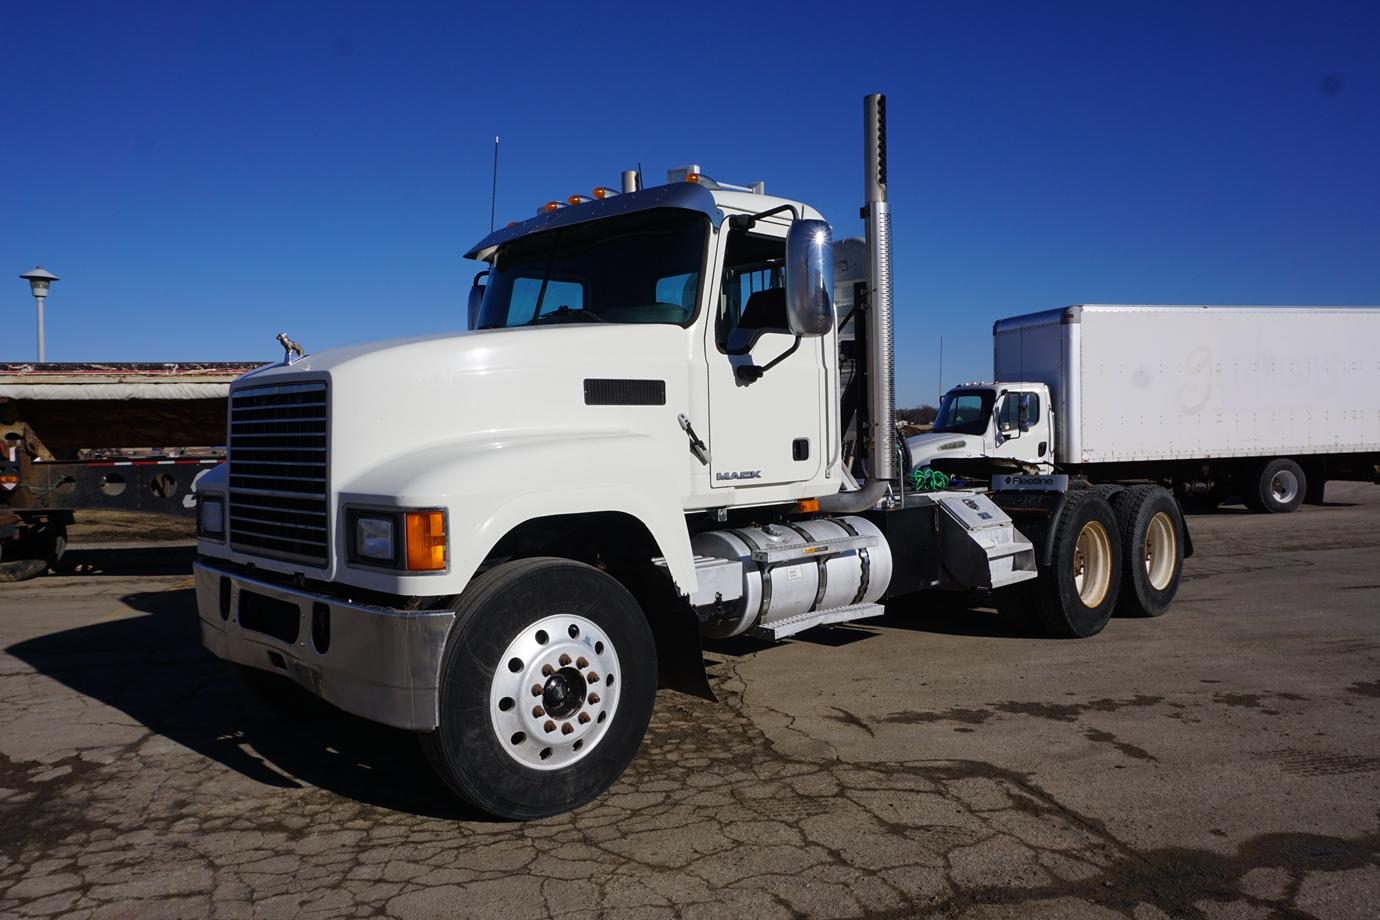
278	493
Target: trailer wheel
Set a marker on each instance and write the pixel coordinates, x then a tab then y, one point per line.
546	688
1278	488
1152	548
1074	596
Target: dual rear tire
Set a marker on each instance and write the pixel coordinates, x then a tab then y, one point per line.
1110	551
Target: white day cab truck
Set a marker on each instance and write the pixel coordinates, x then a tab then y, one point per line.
504	539
1264	404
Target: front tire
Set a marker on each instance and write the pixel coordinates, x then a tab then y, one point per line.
1152	550
546	688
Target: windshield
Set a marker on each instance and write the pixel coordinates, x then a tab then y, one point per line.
964	412
636	268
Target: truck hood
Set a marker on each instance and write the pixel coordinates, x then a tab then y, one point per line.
488	390
925	448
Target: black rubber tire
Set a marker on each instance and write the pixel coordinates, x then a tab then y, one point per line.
1135	508
1051	601
464	750
22	569
1258	491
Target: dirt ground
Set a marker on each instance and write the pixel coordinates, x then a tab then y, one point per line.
92	527
1220	762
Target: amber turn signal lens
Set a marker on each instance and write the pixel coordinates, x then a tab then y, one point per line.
426	541
807	505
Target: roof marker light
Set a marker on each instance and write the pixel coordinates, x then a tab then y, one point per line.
577	199
603	192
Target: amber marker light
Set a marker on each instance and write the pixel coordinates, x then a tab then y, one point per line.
807	505
693	177
577	199
603	192
426	541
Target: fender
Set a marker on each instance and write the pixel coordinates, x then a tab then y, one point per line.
491	484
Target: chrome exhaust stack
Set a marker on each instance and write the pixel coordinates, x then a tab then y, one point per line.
881	355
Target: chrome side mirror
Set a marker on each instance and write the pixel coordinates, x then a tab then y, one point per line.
809	278
476	299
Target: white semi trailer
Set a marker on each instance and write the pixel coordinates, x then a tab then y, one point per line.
391	532
1261	403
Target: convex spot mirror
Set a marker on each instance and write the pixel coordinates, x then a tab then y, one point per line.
809	278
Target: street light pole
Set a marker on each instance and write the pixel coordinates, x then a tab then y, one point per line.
39	280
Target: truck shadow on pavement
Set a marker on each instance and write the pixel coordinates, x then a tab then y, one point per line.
173	559
152	667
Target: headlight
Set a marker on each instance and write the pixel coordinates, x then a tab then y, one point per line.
375	538
210	517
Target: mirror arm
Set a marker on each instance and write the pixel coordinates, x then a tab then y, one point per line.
748	221
750	373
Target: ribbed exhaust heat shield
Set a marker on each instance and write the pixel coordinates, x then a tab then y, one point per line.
881	371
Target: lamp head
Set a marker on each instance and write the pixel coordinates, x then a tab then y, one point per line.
39	279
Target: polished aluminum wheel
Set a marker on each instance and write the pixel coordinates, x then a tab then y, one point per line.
555	692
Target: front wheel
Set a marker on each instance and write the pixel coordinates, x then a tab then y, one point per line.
546	688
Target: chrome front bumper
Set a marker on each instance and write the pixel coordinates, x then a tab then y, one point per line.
379	663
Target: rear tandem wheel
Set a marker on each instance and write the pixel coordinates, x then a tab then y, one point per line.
1075	594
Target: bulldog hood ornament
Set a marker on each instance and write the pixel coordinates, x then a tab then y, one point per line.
290	348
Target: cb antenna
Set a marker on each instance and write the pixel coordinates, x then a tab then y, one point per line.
493	194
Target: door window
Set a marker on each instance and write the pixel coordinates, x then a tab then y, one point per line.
753	298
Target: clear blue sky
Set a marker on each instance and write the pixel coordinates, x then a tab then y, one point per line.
203	176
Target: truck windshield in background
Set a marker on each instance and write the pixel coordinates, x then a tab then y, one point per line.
964	413
636	268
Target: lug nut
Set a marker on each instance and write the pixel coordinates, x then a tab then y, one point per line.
550	726
593	677
547	670
538	712
582	662
594	697
565	660
567	728
584	718
536	689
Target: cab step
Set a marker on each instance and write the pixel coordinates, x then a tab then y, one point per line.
780	629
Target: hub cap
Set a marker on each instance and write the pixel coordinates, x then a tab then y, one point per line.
1092	564
1160	544
555	691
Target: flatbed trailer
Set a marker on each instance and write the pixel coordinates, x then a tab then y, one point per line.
78	436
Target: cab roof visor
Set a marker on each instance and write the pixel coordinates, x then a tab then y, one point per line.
683	195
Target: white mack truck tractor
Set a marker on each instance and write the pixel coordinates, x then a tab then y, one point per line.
390	531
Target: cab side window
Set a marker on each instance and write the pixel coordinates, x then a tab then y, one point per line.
1010	418
753	297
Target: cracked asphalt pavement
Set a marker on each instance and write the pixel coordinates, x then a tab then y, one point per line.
1220	762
